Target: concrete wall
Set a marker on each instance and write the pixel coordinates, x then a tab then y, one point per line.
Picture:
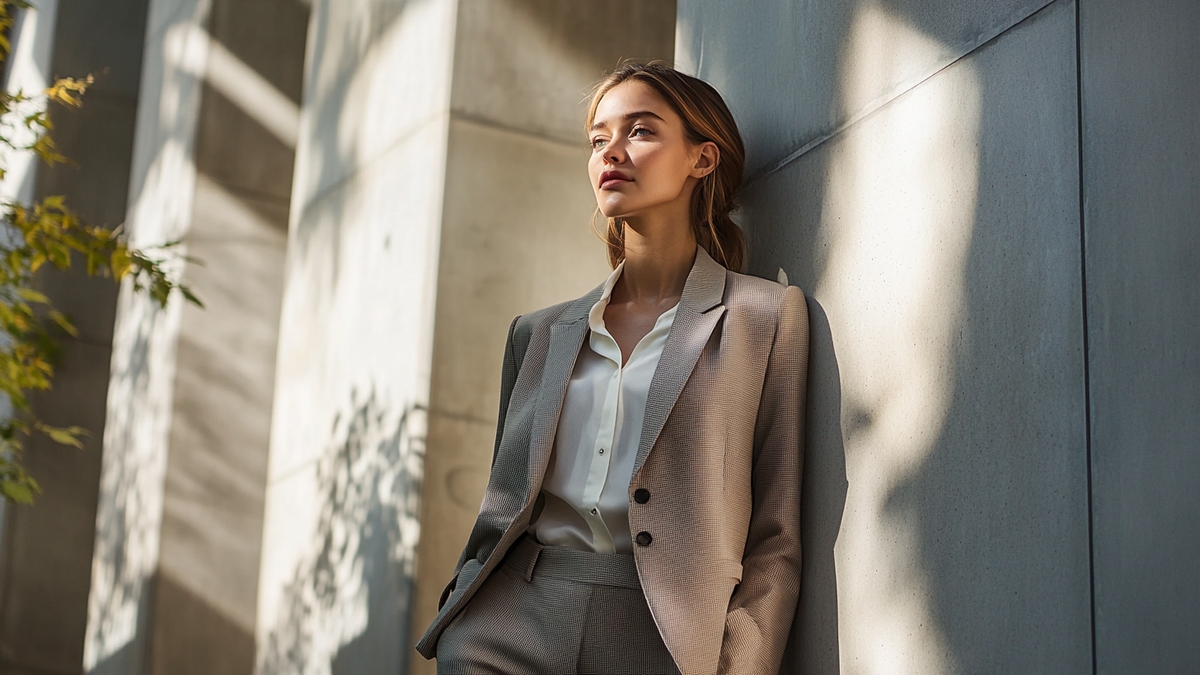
915	169
48	547
997	235
153	560
515	227
206	585
352	378
431	205
1141	196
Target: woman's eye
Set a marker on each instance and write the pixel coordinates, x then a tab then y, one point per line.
598	143
637	131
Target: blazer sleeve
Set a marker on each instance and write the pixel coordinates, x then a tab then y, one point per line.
513	355
763	605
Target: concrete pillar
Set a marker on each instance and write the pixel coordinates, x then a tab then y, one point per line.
178	529
206	585
410	249
355	336
47	550
1141	194
914	168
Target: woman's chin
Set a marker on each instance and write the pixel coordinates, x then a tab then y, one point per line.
617	211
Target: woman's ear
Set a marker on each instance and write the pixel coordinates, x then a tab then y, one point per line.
707	159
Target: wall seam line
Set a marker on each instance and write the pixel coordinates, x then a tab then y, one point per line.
351	178
1087	355
882	102
481	121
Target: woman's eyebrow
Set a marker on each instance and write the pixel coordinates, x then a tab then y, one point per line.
628	116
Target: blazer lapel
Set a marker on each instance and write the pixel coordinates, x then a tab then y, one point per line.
566	338
699	310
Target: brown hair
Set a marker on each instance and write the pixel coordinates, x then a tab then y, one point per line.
705	118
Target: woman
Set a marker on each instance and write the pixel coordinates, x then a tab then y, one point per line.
642	513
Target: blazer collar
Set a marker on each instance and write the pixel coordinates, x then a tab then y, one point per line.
702	290
697	314
705	285
700	308
578	309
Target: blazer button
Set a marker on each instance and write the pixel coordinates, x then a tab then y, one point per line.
641	495
644	539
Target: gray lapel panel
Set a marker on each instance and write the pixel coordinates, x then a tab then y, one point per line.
565	342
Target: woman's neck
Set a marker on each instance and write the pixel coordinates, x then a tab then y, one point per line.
658	258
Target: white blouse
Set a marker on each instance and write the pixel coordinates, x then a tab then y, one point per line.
586	486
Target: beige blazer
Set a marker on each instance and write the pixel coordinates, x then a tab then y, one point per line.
720	455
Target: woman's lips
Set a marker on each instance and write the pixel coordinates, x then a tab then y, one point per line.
611	179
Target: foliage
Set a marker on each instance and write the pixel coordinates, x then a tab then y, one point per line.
49	233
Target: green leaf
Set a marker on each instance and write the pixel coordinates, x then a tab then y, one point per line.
19	492
119	261
62	321
33	296
187	293
65	436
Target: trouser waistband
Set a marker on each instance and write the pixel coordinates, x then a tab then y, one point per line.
530	558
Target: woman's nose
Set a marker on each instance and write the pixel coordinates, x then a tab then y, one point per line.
614	152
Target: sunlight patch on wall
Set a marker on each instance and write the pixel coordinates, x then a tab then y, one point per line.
371	82
356	528
28	71
140	393
899	210
355	338
252	93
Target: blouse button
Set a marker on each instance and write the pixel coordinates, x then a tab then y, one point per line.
644	539
602	451
641	495
594	511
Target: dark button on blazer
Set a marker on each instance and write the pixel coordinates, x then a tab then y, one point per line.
720	452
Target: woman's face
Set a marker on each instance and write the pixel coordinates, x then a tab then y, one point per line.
641	160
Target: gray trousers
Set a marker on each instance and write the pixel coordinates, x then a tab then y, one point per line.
555	609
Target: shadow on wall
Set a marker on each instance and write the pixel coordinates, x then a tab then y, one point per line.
328	159
359	570
823	500
998	503
939	232
127	524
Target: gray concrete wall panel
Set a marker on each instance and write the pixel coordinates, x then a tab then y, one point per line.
160	194
945	496
206	587
48	547
531	91
1140	63
352	369
383	73
784	63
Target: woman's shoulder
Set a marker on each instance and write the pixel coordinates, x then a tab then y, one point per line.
753	294
530	322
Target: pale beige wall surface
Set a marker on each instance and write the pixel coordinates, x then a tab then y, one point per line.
351	385
206	586
140	392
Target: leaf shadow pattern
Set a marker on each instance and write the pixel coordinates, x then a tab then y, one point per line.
346	607
129	509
